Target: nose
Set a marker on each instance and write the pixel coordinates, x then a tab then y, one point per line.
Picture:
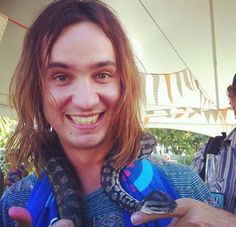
85	95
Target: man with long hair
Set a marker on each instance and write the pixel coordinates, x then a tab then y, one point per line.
77	93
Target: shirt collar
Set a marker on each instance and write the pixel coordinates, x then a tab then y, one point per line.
231	138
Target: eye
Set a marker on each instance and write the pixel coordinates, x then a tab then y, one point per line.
103	76
61	77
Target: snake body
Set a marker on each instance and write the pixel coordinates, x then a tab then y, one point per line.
155	202
66	186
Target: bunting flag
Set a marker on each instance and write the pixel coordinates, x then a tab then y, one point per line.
167	80
168	112
224	113
179	115
191	79
207	115
186	80
177	81
212	116
150	112
3	24
182	109
146	120
179	84
197	84
156	81
197	110
215	114
191	114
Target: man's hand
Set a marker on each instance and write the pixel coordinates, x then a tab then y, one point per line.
190	212
21	216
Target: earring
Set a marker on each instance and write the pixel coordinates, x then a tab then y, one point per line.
35	125
50	129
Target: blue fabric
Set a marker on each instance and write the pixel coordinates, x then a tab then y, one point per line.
141	178
138	179
42	204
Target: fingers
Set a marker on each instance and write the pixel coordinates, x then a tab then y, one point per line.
183	205
64	223
21	216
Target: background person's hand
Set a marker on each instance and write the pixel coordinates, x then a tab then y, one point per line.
21	216
189	213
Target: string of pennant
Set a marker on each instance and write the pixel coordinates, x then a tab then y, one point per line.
179	81
181	76
217	114
3	24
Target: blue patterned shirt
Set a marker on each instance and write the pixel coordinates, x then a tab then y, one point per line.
99	210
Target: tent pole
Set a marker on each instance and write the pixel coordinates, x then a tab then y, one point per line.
214	52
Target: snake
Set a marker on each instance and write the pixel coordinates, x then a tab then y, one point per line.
66	186
156	202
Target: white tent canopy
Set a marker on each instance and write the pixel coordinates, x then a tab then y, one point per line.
171	39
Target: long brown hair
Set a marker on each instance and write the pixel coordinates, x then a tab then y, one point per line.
32	131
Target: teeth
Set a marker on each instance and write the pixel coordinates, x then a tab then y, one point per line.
85	120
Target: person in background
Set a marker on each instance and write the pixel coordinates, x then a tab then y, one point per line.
222	181
77	93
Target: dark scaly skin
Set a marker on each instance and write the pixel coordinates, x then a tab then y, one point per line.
67	189
155	202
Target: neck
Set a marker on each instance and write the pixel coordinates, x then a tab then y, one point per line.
88	166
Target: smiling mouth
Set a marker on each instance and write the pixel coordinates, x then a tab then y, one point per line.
85	120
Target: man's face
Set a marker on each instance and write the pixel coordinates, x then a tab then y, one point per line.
232	101
81	87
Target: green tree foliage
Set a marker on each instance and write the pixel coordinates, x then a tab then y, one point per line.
178	142
7	126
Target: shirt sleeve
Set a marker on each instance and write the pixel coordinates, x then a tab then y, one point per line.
186	181
198	160
16	195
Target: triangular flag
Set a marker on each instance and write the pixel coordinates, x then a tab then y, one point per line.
186	80
224	113
182	108
179	84
150	112
191	78
167	79
207	115
191	114
156	81
215	114
167	112
179	115
197	84
197	110
146	120
3	24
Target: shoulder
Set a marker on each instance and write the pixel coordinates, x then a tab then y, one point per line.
169	167
185	180
24	185
16	195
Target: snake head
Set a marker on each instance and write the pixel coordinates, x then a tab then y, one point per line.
158	202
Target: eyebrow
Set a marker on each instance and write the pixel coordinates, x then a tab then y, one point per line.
92	66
